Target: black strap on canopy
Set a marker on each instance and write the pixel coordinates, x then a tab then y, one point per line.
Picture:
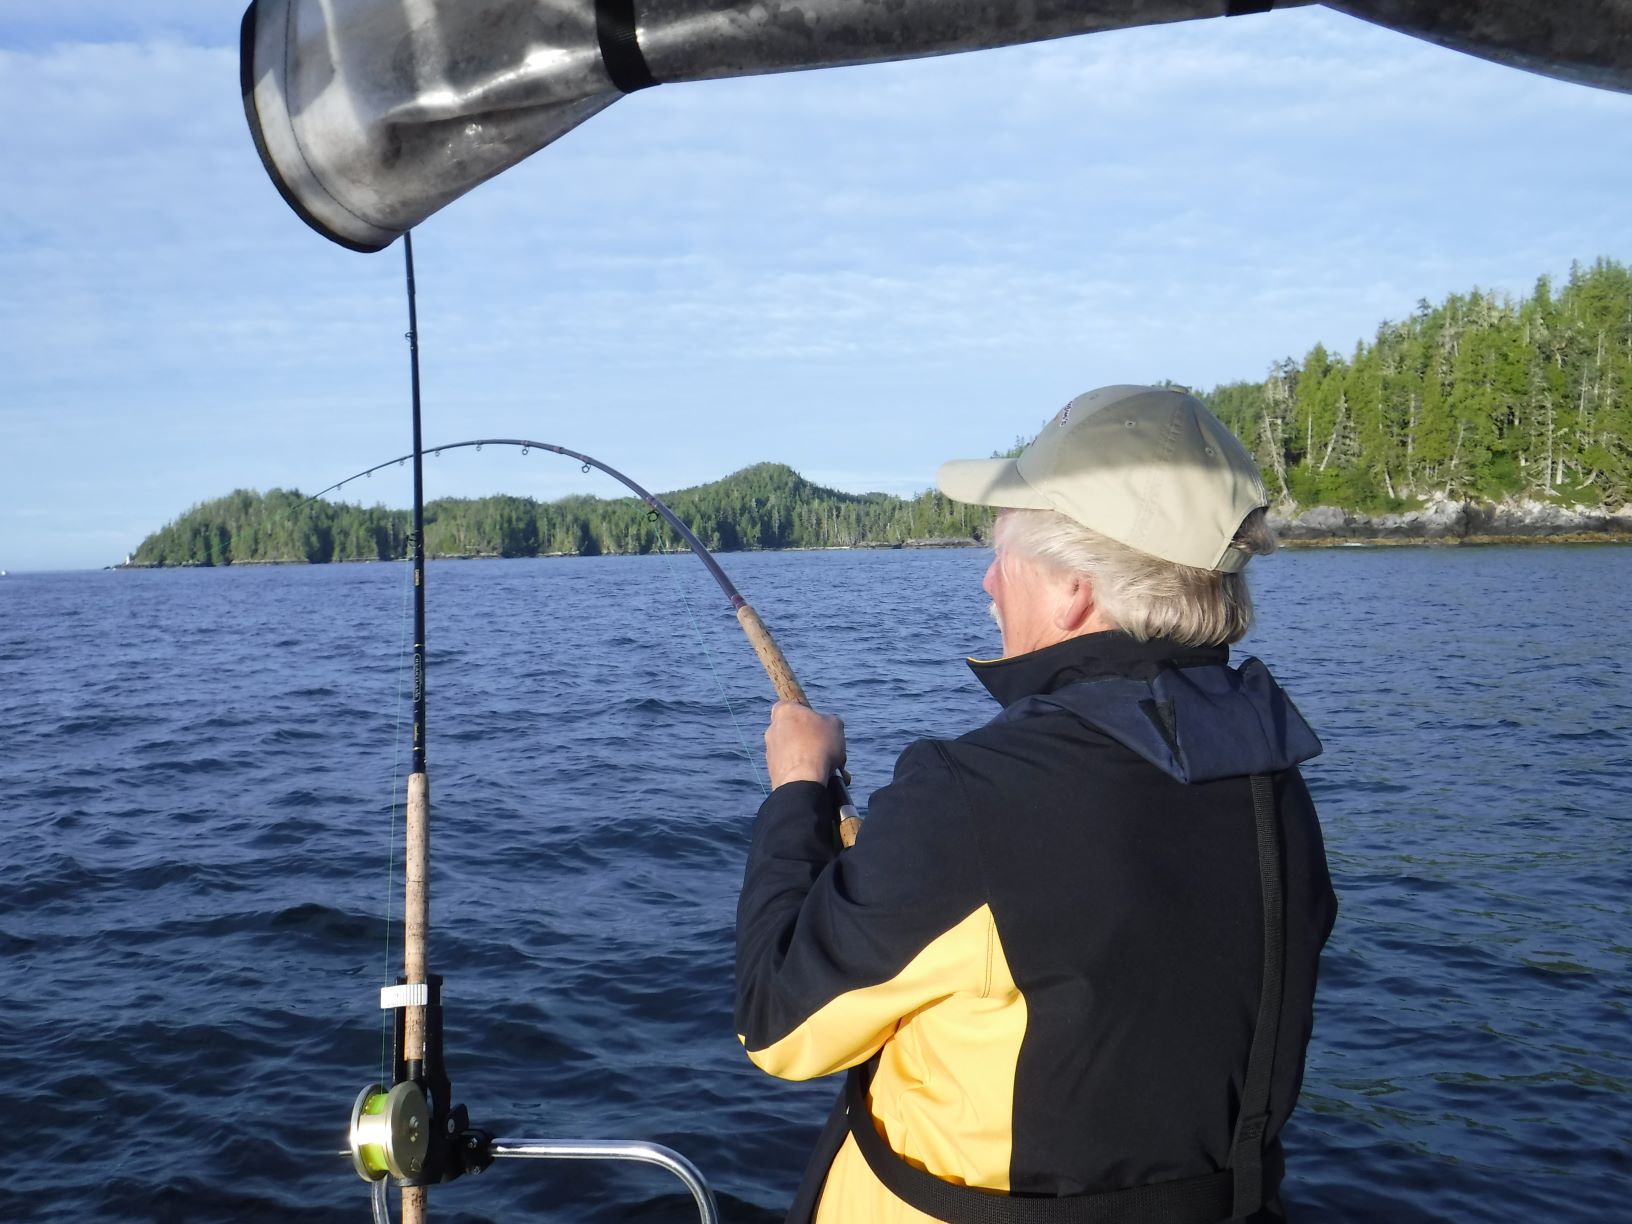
620	49
1241	8
1233	1193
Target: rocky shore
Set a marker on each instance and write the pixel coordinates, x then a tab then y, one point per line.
1443	521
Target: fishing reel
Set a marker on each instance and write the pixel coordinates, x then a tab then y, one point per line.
390	1132
408	1132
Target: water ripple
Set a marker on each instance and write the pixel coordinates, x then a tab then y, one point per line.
198	901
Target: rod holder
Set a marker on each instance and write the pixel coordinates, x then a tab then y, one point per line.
637	1150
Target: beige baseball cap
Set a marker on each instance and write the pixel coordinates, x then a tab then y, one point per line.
1149	467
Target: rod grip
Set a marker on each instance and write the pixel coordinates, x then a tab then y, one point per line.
849	827
770	655
416	913
787	688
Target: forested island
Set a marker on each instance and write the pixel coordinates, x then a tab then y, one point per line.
768	505
1482	417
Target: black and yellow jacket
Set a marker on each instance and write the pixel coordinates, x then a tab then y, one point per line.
1053	945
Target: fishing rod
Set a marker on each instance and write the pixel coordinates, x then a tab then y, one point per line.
759	636
410	1131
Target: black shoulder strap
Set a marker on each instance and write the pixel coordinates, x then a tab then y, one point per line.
1247	1151
1234	1192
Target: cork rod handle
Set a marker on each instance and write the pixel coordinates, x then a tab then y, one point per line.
787	688
416	921
770	655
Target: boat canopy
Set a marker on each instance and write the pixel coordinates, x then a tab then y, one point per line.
372	115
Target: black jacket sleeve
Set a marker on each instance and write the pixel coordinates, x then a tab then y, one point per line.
833	950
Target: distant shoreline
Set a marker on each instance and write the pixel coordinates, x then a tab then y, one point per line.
1291	538
1446	522
1469	541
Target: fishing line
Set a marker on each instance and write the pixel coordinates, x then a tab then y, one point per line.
696	628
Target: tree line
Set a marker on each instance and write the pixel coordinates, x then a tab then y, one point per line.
765	506
1481	398
1478	399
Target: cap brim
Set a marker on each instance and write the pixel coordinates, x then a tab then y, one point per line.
989	482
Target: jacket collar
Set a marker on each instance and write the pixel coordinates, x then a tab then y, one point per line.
1088	657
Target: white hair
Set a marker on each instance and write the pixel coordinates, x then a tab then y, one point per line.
1145	596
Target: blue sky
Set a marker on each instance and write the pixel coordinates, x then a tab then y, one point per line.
858	272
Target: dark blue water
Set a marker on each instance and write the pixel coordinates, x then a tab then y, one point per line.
196	801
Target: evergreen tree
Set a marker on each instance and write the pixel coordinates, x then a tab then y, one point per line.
1477	397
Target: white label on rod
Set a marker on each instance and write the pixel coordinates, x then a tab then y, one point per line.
411	994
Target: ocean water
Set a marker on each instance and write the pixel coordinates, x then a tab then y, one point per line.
200	784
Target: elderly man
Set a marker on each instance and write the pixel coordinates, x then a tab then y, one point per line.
1071	960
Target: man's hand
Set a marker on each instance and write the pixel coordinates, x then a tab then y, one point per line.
802	745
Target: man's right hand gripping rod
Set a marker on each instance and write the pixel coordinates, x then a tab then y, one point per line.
787	688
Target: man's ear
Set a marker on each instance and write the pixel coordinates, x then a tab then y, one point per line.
1077	608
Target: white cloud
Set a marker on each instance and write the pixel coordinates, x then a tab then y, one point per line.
34	24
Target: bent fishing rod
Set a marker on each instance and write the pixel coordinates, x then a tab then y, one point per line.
770	655
411	1132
